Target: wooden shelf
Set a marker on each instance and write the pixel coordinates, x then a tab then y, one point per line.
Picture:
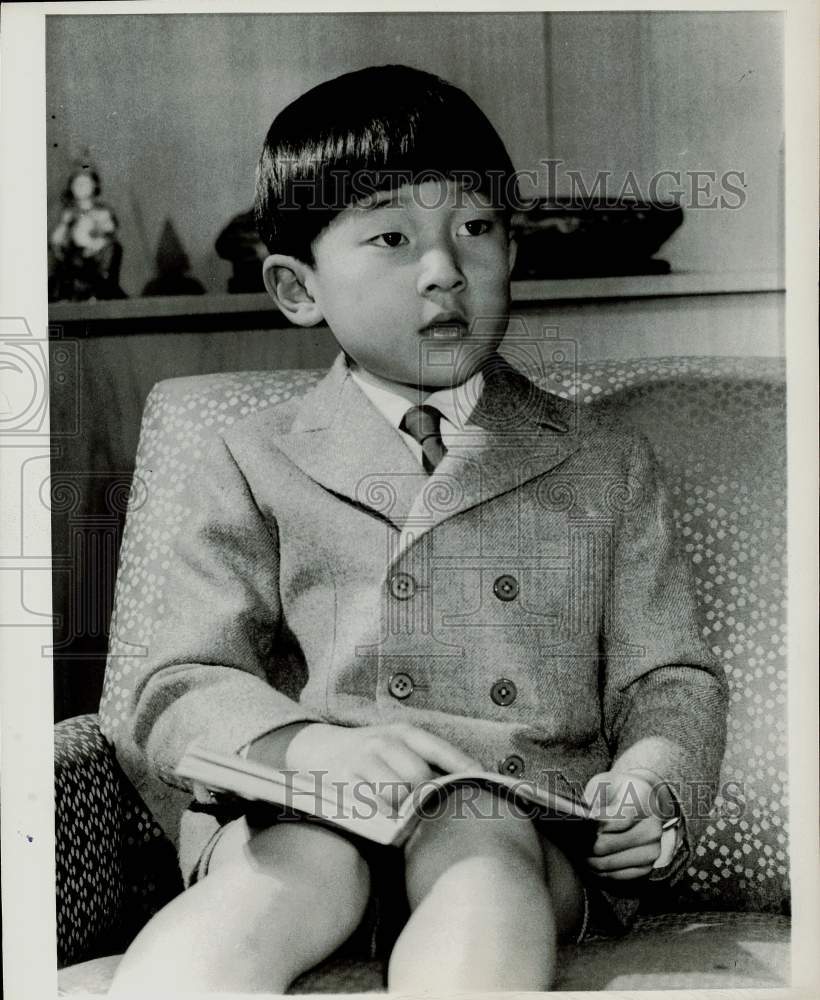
641	286
258	308
161	306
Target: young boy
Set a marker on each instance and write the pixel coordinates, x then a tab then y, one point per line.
427	564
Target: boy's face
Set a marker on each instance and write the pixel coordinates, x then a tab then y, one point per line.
415	284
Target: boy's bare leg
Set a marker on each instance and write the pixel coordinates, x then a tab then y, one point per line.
274	903
489	901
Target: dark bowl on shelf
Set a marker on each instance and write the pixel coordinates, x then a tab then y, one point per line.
562	238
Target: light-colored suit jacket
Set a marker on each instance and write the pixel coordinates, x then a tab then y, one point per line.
527	601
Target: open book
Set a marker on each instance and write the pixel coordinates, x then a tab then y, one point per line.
357	808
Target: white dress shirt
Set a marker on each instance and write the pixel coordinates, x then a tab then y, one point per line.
455	403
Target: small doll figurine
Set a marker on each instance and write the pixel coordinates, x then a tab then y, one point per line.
84	246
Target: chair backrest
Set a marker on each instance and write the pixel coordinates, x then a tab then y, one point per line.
718	426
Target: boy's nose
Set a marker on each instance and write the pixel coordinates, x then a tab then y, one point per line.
439	271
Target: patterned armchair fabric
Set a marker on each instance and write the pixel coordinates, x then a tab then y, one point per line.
114	866
718	426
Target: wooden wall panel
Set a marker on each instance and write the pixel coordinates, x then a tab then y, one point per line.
652	91
700	325
101	398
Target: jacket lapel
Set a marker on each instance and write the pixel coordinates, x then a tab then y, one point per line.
340	440
515	433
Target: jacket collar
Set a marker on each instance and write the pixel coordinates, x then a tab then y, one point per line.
515	432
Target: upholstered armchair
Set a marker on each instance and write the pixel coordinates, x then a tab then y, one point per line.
718	427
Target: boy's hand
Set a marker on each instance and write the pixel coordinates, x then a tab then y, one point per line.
631	811
390	759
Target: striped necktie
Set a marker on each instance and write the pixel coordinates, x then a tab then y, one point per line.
422	424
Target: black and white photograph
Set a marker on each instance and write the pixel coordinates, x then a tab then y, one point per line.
408	425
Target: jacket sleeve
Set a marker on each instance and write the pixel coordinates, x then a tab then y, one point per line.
664	695
206	678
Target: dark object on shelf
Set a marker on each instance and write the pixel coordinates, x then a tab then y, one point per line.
559	238
85	252
172	267
240	243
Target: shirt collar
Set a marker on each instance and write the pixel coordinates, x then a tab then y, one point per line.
455	403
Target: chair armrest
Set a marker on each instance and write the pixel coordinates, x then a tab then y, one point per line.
115	868
88	818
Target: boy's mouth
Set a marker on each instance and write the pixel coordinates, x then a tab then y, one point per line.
448	326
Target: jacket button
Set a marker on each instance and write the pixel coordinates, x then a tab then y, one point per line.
402	586
512	766
505	588
400	686
503	692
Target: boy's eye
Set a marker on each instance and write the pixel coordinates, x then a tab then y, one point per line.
389	239
475	227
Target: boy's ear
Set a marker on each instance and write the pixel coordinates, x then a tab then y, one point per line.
288	283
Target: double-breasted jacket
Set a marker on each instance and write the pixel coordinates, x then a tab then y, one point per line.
526	601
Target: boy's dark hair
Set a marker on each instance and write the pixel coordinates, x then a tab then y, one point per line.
367	131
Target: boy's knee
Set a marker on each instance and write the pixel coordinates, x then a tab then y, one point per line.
299	859
319	860
480	826
480	814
